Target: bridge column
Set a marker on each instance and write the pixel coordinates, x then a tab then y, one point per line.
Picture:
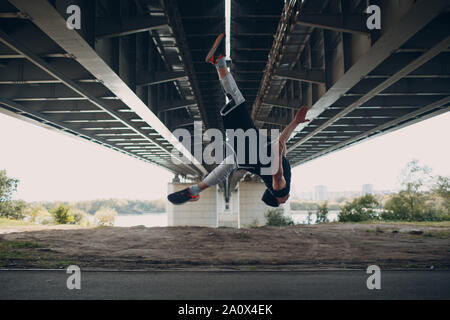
245	207
228	217
202	213
251	209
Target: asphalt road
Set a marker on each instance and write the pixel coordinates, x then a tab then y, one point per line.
235	285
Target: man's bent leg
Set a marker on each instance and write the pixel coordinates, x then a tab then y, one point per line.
229	86
221	172
218	175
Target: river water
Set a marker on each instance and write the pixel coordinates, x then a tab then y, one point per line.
160	219
148	220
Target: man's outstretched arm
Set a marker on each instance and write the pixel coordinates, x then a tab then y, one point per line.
278	182
298	119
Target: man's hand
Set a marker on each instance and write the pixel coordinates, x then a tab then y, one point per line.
301	114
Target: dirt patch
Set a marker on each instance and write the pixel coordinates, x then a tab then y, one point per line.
296	247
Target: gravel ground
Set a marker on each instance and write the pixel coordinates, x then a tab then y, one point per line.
324	246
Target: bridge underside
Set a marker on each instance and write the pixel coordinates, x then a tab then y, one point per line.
359	83
124	81
135	71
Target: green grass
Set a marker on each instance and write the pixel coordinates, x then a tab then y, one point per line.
4	245
29	254
11	249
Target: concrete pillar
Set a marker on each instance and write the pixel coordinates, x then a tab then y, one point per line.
245	208
201	213
228	218
251	209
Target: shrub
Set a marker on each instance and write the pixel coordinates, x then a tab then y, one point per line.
309	218
105	217
420	207
360	209
61	215
80	217
275	217
322	213
38	214
254	224
396	208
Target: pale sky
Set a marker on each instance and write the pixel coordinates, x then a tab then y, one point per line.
53	166
379	161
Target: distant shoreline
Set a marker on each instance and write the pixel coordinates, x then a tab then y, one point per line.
140	214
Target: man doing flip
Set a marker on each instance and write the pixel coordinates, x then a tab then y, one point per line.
235	116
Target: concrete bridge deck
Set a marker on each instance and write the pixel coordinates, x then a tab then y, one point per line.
134	72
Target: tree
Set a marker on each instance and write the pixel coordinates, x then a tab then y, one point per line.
61	214
441	188
13	209
322	213
414	179
105	217
37	214
7	186
397	208
8	208
360	209
414	202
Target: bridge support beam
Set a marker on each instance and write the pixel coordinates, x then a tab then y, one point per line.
202	213
244	209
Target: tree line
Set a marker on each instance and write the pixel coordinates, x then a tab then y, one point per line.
101	212
122	206
423	197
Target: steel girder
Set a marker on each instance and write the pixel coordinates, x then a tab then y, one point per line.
372	84
253	25
202	21
130	110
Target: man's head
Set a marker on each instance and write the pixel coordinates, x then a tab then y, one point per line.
283	199
274	198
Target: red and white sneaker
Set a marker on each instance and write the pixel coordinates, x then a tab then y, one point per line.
182	196
217	51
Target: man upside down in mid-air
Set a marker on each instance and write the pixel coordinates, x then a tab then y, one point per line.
235	116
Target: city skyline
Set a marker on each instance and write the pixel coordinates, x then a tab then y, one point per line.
321	193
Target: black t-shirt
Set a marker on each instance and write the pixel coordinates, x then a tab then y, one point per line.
268	179
255	168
